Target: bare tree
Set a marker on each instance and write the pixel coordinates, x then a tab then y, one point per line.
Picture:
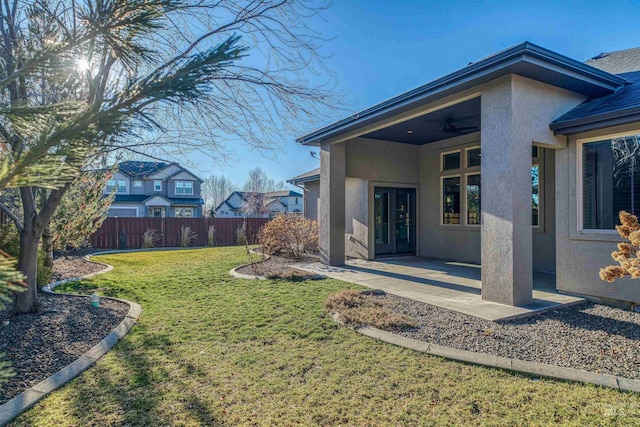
81	78
259	182
215	189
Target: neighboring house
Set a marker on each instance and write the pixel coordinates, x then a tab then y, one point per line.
310	184
520	162
238	204
155	189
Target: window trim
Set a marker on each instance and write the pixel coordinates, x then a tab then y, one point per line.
451	151
183	209
579	187
155	187
538	163
441	191
184	188
465	170
466	199
137	183
466	156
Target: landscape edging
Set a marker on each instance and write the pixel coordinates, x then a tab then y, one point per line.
28	398
233	272
516	365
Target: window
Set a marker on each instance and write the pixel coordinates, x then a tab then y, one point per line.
184	212
473	199
451	161
610	180
184	187
451	200
296	200
137	183
157	185
462	193
535	195
473	157
119	186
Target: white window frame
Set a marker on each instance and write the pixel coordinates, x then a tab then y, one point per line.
579	187
124	186
155	185
444	153
540	192
137	183
183	186
441	191
466	156
466	198
112	184
183	210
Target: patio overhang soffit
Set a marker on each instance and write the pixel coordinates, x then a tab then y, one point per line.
526	59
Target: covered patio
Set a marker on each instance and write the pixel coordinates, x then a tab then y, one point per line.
451	285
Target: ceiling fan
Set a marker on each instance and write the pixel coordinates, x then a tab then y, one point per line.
449	127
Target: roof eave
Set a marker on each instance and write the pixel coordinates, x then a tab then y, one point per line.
592	81
305	179
600	121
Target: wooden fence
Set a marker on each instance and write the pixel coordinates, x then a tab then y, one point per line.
126	233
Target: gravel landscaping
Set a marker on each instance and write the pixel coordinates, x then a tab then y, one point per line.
588	336
279	267
73	266
64	328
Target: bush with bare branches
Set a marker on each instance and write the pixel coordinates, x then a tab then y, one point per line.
289	235
627	253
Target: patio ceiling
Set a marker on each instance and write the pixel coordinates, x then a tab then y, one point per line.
435	126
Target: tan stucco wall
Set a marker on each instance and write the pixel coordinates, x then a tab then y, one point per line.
371	163
580	255
382	161
357	218
451	242
311	199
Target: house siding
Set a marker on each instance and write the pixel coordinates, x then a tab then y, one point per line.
580	255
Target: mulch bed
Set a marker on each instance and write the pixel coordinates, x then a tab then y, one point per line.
278	266
73	266
64	328
591	337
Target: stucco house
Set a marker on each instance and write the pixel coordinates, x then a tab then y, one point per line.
519	162
270	204
309	182
154	189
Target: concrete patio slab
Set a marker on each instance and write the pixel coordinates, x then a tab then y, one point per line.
451	285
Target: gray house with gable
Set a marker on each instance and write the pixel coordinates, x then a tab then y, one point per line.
155	189
519	162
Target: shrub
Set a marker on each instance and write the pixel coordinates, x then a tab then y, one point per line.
627	253
150	238
289	235
211	236
187	236
241	235
354	309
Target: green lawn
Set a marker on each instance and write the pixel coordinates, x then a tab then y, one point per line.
213	350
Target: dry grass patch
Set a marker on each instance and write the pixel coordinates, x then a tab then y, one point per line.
355	308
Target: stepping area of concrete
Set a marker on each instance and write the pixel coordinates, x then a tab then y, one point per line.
451	285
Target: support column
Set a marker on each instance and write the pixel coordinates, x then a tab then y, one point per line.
506	235
332	203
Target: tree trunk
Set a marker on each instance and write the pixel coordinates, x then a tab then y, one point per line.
47	247
25	302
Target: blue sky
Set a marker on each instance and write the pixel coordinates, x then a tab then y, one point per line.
382	48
